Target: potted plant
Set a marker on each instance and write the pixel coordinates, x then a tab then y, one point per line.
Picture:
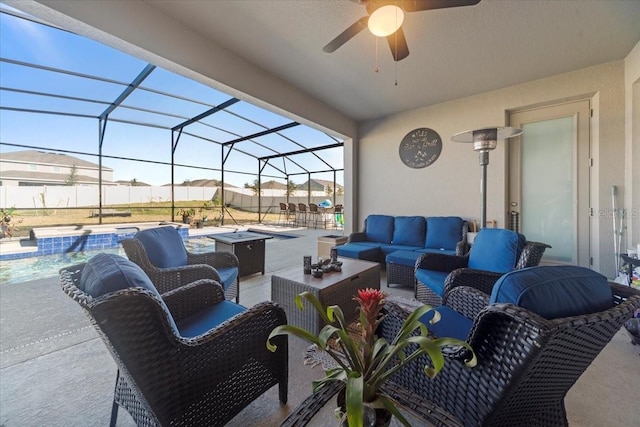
7	224
187	215
366	362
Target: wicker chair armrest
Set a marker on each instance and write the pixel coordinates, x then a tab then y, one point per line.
466	300
622	293
166	279
186	300
531	254
214	259
481	280
357	237
441	262
462	248
428	411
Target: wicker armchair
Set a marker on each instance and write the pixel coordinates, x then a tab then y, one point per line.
184	358
453	270
161	254
526	362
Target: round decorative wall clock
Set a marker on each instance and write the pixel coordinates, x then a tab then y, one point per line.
420	148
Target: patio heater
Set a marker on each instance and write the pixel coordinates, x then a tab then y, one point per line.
485	140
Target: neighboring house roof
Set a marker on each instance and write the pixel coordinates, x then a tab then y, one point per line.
43	157
318	185
48	176
273	185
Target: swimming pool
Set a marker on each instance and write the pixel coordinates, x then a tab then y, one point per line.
41	267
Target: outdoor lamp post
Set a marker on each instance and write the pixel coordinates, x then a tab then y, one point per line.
485	140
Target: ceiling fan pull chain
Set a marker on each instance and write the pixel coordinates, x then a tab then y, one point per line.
376	68
396	83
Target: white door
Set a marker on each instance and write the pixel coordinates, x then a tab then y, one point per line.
549	168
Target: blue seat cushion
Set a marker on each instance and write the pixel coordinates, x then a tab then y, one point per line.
358	251
554	291
227	276
106	273
436	251
164	246
496	249
408	231
407	258
387	249
207	319
432	279
379	228
443	232
451	324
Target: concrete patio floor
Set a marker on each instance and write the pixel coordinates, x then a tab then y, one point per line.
55	371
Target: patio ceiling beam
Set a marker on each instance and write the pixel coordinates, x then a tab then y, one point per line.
128	90
207	113
263	133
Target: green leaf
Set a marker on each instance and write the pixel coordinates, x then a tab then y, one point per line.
355	388
390	406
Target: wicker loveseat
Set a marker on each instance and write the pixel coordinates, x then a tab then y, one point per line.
397	242
186	357
542	329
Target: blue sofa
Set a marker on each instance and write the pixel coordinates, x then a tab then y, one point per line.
401	240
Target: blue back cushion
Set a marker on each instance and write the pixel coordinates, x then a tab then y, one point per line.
443	232
106	273
164	246
496	249
379	228
554	291
409	231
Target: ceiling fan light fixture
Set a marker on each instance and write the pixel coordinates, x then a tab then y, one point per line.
385	20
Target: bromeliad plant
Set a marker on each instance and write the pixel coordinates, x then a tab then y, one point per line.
365	363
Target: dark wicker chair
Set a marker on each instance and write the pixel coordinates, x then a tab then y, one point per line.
223	267
526	363
460	275
165	378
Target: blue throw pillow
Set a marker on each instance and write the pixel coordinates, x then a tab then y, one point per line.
496	249
408	231
443	232
106	273
379	228
554	291
164	246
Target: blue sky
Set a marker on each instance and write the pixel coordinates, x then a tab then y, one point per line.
21	40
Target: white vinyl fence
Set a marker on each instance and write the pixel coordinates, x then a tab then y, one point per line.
52	197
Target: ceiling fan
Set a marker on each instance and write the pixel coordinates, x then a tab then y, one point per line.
384	19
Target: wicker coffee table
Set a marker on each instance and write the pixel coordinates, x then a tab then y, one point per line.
334	288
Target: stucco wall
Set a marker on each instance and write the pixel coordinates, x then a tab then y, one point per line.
451	186
632	144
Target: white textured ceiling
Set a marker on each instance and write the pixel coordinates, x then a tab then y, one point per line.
454	52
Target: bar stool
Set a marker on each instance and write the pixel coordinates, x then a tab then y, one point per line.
301	216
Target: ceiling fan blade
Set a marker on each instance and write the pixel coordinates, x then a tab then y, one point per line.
347	34
398	45
418	5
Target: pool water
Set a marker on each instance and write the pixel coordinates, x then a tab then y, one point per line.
41	267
